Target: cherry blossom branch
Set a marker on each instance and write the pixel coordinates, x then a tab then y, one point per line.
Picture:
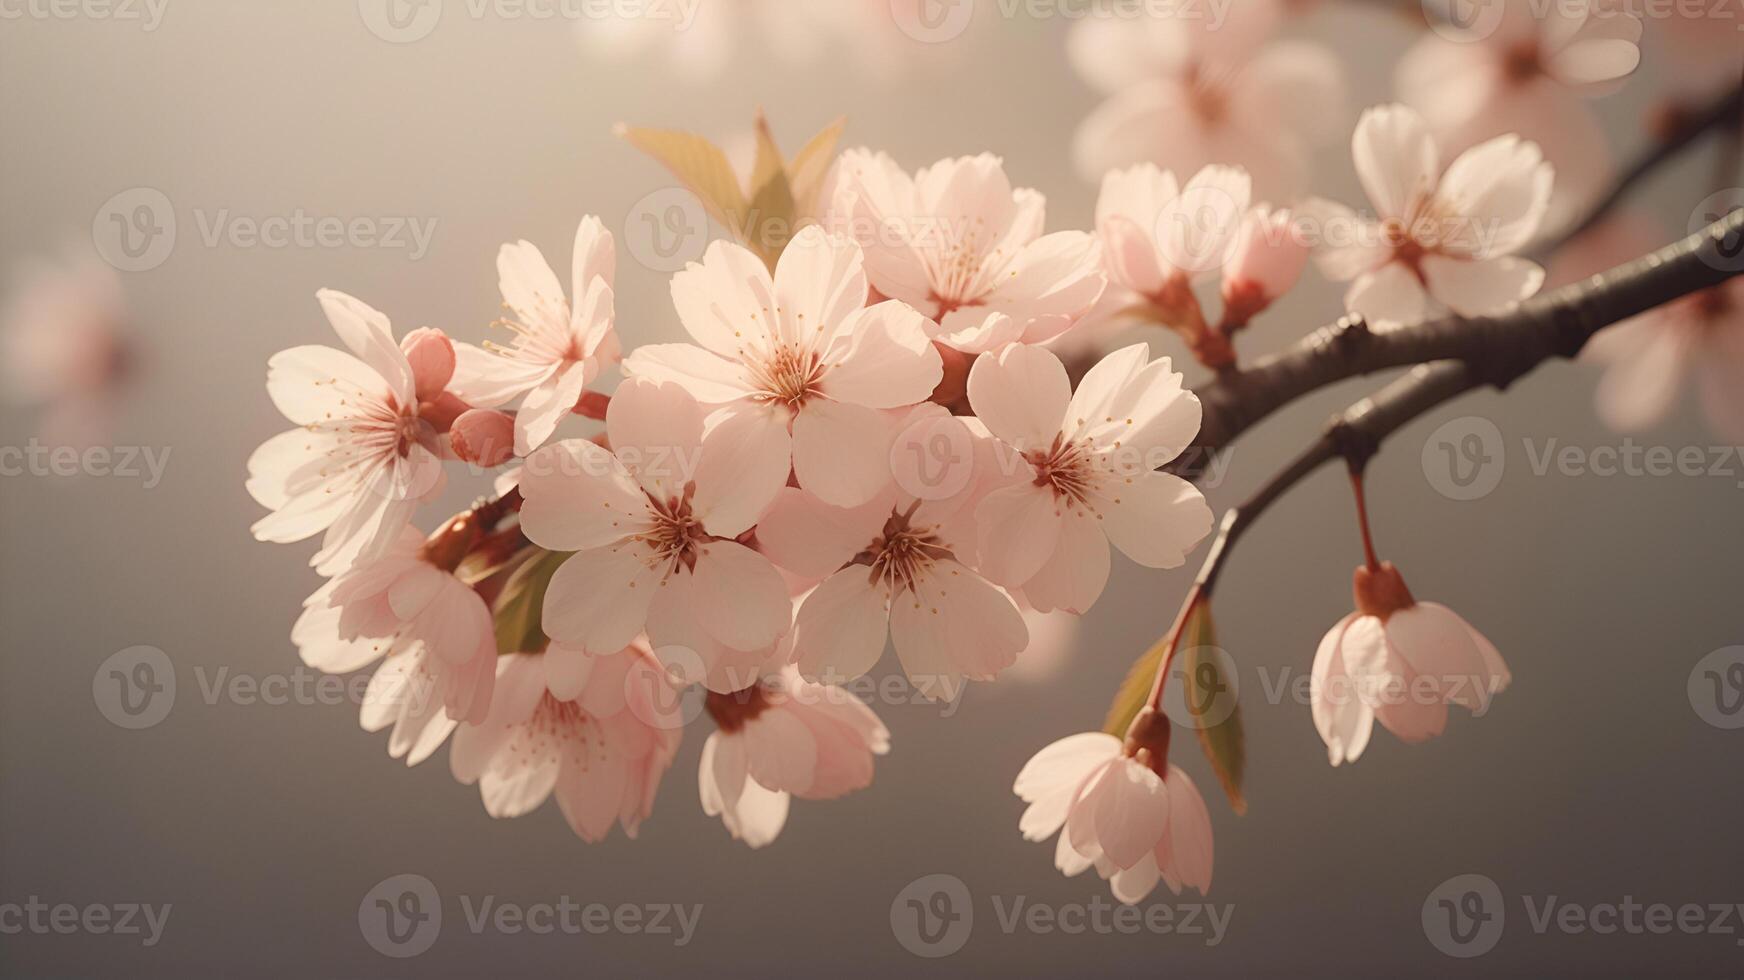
1497	348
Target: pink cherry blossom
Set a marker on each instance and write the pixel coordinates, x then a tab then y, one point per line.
1526	68
1189	88
957	243
779	739
1117	815
1449	237
1158	237
900	566
1650	359
1400	662
602	752
433	630
653	523
1265	262
364	454
557	351
799	359
1087	473
63	346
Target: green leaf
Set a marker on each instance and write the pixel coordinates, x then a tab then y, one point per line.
769	161
520	608
700	165
1136	689
769	225
806	174
1202	671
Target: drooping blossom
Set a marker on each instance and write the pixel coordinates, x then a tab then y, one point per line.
957	243
557	349
63	346
785	737
1649	361
1197	85
433	632
1086	471
367	445
1399	662
899	567
653	522
602	752
1527	68
1449	238
799	359
1117	814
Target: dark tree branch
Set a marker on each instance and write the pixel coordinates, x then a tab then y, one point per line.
1497	349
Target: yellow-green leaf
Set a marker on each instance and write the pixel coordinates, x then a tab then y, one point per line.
769	225
1136	689
699	164
806	174
1222	738
769	161
520	608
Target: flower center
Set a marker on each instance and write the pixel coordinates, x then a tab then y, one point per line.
1207	95
674	533
1522	62
788	376
902	554
1068	469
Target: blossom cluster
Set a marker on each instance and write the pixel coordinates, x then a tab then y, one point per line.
866	442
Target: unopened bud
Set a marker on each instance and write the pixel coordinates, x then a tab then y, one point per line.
483	437
1381	592
432	356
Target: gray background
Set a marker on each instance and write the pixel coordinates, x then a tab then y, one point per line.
264	825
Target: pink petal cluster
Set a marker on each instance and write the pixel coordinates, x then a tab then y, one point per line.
1697	341
1446	238
957	243
1527	68
63	346
1399	662
1136	827
1199	84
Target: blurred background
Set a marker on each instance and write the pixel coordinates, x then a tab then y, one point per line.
1600	775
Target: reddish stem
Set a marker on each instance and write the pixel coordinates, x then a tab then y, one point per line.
1362	518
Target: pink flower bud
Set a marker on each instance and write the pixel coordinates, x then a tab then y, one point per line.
1266	261
432	357
484	437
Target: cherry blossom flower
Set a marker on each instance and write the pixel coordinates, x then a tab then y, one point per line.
799	359
601	752
1526	68
900	566
1649	360
1157	235
63	348
654	523
557	351
433	630
779	739
957	243
1399	662
1265	262
1189	88
1450	237
366	450
1135	826
1088	472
